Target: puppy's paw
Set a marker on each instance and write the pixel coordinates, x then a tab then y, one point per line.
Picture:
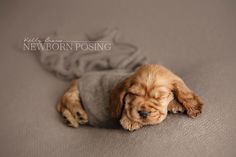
129	125
73	114
194	106
69	119
175	107
81	117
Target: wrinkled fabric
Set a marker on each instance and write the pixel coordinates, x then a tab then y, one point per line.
95	91
70	65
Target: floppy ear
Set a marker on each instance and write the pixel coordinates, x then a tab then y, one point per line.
187	98
117	99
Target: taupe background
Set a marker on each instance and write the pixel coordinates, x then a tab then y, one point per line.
196	39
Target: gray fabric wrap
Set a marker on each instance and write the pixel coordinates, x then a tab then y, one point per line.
70	65
95	89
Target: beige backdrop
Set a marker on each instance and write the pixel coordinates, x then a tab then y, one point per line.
196	39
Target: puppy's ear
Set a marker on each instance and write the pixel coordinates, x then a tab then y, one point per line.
187	98
117	99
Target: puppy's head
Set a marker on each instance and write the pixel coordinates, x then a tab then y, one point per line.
142	98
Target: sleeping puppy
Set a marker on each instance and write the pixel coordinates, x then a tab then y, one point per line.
133	100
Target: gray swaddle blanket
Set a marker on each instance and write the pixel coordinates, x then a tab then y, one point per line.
95	89
97	72
70	65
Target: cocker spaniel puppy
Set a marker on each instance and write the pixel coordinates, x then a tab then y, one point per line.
134	100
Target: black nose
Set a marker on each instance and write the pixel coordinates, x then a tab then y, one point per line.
143	114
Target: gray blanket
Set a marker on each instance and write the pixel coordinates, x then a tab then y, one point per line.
73	64
95	89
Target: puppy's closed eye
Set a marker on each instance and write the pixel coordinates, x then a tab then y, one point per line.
137	90
134	94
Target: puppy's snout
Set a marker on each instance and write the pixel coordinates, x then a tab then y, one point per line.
143	114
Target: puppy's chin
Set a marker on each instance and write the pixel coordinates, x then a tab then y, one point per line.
132	124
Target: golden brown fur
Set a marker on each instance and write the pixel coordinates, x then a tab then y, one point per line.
142	99
71	108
